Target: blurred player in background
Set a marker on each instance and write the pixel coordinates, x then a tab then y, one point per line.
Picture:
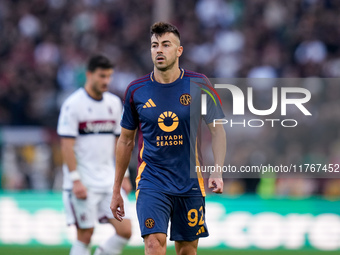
158	104
88	124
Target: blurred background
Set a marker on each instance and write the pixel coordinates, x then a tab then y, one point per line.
44	46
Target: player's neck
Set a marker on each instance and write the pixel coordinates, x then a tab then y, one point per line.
167	76
92	93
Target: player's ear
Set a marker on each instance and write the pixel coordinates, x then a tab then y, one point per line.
179	51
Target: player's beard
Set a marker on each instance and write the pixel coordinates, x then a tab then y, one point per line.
97	90
165	68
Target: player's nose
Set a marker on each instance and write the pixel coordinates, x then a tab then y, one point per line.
107	80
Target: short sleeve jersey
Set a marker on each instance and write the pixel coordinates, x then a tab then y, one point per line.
94	125
168	119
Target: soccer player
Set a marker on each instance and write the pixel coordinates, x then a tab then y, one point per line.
88	124
163	106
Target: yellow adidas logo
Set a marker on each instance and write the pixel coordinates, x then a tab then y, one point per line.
149	104
201	230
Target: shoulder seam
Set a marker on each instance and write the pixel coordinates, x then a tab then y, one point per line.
188	73
140	79
135	82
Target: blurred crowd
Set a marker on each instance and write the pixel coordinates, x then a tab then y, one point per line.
44	45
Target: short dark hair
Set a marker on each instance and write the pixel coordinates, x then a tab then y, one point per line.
99	61
160	28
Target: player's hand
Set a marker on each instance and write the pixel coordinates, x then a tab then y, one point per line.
79	190
216	183
117	206
126	185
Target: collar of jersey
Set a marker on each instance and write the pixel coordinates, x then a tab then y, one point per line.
152	78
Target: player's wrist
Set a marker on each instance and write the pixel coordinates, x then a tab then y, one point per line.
74	176
116	189
216	175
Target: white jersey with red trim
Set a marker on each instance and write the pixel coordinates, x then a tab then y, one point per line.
94	124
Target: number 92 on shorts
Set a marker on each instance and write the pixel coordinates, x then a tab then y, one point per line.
187	215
